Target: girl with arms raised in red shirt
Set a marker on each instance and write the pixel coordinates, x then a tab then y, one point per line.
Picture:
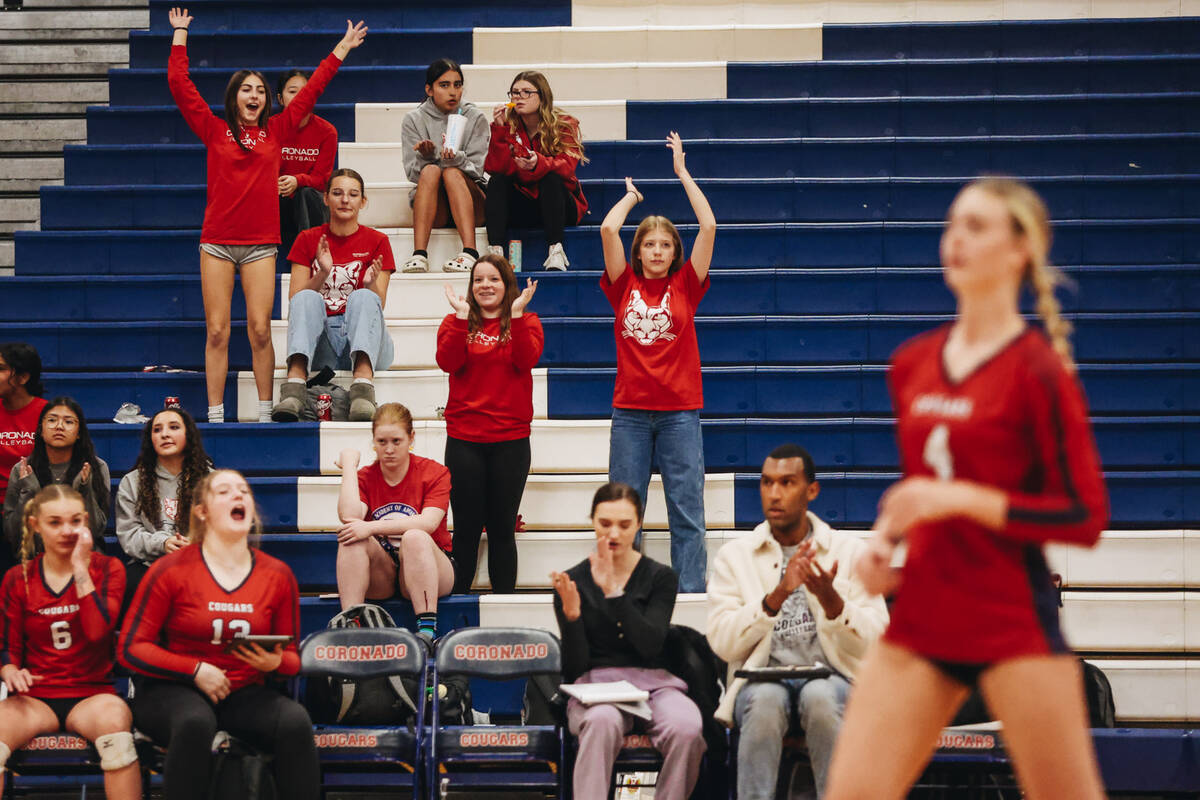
658	395
531	163
56	641
241	218
181	631
393	515
998	458
489	345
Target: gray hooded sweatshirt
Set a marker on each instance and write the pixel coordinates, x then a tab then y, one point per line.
427	121
139	537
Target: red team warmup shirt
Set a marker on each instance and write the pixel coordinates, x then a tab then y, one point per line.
181	616
308	154
425	485
491	382
242	205
16	436
1019	423
658	359
352	255
66	640
500	160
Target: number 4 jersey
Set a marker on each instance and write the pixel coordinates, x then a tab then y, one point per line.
66	640
1017	423
181	617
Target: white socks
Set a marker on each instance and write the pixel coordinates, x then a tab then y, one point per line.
216	413
264	410
363	380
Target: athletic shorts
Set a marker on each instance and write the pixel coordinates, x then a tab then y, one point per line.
965	672
240	254
61	706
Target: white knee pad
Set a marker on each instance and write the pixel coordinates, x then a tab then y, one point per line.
4	754
116	750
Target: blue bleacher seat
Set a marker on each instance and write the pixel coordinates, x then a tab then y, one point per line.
124	125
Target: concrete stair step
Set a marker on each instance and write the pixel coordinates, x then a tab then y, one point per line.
27	174
88	68
38	18
42	92
20	209
8	226
63	55
41	134
115	35
7	255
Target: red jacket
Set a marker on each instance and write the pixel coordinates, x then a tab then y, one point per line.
242	206
500	161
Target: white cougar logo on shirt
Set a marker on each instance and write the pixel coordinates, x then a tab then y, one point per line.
647	324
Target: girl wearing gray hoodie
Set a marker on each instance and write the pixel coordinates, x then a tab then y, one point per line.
154	499
449	181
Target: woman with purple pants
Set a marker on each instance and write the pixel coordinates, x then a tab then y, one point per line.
614	610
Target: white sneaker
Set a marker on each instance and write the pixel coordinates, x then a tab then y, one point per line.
495	250
557	259
416	263
460	263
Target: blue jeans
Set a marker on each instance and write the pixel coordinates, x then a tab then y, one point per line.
670	441
763	713
331	341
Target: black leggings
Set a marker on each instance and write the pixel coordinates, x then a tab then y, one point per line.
181	718
553	209
303	210
486	484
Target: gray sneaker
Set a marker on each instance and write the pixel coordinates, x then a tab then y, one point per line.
362	402
292	399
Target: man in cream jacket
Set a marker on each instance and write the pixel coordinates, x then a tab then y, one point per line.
785	594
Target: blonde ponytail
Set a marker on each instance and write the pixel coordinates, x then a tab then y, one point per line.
55	491
1031	220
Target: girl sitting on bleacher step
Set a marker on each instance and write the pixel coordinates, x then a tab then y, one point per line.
448	175
531	164
154	500
56	641
241	218
658	393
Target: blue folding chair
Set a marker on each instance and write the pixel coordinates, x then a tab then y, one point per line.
496	757
368	756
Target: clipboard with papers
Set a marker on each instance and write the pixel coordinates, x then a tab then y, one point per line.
622	694
780	672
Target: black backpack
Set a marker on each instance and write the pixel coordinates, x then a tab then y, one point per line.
241	773
1102	710
374	701
381	701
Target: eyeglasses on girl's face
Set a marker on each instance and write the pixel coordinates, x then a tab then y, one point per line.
523	93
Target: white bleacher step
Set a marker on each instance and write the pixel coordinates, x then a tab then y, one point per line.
1131	558
556	445
1153	690
631	80
649	43
422	391
387	204
1131	621
411	296
541	552
537	611
795	12
379	123
550	502
414	340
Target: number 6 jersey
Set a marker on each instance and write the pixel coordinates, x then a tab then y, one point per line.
65	639
181	616
1019	423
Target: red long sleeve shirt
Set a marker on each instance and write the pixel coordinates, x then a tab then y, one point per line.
491	381
1019	423
181	617
242	205
309	153
66	639
500	161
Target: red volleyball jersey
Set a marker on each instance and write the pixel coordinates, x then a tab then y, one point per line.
1019	423
181	616
16	436
66	639
658	358
309	153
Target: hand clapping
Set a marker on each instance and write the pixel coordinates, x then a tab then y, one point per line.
459	303
522	300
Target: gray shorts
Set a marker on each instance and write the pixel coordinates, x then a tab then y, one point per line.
240	253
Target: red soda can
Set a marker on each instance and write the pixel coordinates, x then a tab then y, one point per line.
171	401
324	407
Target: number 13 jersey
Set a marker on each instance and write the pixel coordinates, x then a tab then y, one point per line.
1019	423
66	640
181	616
